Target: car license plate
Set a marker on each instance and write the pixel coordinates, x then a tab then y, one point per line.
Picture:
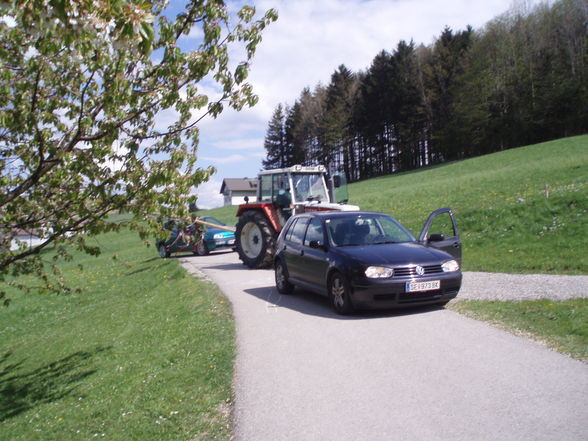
423	286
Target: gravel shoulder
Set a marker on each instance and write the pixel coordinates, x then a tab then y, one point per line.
513	287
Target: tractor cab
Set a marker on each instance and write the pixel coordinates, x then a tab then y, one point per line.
297	189
282	193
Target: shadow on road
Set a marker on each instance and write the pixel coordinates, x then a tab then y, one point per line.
229	266
309	303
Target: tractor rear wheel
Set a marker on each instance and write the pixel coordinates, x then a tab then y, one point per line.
255	239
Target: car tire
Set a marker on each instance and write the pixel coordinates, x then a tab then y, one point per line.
281	275
201	248
255	240
339	294
163	252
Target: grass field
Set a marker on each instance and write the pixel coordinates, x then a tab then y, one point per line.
145	352
507	223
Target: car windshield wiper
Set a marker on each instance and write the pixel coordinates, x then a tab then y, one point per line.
384	241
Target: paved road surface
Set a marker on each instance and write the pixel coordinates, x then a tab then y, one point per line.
304	373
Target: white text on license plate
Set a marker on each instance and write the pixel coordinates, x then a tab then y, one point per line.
423	286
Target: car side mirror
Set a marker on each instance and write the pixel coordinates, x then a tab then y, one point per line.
316	244
436	238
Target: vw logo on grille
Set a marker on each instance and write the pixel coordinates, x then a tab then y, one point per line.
420	270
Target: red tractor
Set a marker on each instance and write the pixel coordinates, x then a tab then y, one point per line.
282	193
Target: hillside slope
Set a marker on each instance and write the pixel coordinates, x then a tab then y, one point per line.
507	221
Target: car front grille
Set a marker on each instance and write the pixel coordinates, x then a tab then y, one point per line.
410	271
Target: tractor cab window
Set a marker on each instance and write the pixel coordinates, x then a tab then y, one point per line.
309	187
281	190
265	188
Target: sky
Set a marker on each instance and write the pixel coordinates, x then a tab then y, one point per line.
310	39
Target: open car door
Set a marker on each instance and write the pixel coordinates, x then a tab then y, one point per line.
444	233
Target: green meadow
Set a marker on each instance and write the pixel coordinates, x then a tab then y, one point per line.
145	351
508	221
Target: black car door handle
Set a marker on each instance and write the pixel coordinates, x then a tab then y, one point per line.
302	253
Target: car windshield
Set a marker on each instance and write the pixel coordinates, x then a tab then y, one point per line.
211	220
309	186
366	229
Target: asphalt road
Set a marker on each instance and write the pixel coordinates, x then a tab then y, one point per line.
304	373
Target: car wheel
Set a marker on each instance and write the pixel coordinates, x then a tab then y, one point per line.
201	248
163	252
339	294
284	287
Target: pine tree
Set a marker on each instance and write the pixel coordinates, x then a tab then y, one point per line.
336	124
275	141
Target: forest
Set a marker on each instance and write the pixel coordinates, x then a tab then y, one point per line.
521	79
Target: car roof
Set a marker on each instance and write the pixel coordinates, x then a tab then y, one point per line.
340	214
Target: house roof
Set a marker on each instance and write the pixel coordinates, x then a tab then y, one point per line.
242	184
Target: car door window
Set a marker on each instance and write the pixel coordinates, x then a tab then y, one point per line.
314	232
288	234
298	231
443	224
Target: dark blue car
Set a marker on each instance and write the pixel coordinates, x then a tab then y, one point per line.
369	260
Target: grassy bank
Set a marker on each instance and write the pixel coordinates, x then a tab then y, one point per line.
507	220
145	352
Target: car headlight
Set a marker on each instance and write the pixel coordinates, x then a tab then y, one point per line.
378	272
219	236
450	266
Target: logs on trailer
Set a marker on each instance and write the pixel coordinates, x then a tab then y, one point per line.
209	224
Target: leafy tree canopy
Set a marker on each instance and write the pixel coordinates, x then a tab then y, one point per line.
82	85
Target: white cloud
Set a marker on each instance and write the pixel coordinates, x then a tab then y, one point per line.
209	195
308	42
240	144
225	159
311	39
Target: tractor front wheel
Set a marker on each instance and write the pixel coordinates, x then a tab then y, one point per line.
255	240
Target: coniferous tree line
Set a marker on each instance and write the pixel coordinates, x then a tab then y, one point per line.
522	79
